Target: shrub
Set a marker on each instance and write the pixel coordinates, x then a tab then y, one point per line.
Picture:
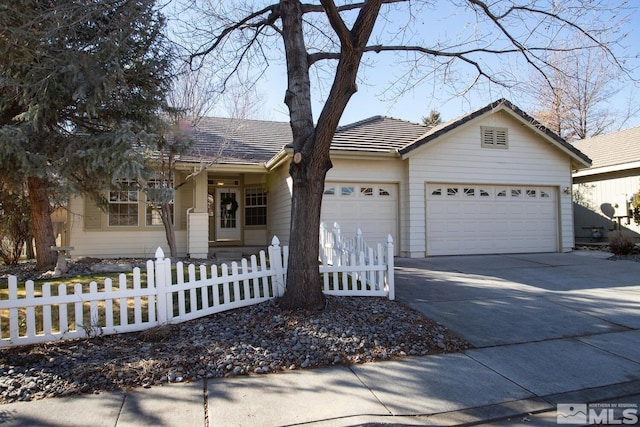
620	243
15	225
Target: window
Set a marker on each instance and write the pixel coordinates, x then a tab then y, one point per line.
494	137
484	193
383	192
123	207
544	194
452	191
366	191
153	214
331	191
502	193
531	193
255	206
470	192
516	193
347	191
437	192
158	193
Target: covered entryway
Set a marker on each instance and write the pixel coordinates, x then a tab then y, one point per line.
372	207
483	219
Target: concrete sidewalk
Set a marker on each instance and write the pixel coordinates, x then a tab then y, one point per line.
548	329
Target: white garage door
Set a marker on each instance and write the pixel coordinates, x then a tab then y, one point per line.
371	207
477	219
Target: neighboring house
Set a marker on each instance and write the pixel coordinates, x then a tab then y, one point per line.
603	192
492	181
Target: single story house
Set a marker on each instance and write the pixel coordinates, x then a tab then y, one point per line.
603	193
492	181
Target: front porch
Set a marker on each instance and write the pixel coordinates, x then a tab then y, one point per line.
228	218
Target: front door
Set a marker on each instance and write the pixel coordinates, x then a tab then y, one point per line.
227	216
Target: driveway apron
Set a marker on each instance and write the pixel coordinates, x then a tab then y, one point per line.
551	323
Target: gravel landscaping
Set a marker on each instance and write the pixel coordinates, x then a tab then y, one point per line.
250	341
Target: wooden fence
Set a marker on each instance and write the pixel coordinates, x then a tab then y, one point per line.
167	295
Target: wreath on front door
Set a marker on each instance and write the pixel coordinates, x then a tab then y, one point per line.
229	205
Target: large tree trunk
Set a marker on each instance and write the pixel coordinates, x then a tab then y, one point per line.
304	289
311	144
41	224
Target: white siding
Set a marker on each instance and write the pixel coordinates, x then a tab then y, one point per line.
198	228
279	203
597	196
459	158
387	169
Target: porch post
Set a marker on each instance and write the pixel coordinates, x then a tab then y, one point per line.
198	219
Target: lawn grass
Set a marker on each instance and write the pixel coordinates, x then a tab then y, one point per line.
92	326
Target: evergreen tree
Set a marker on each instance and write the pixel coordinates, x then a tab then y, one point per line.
433	119
81	82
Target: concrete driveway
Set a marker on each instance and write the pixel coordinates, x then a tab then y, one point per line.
508	299
565	327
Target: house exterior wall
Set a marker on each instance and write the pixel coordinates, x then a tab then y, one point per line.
595	199
387	170
280	187
115	242
459	157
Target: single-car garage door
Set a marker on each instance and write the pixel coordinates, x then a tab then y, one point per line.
371	207
481	219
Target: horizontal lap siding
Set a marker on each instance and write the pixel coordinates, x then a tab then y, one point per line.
110	243
459	158
603	191
279	203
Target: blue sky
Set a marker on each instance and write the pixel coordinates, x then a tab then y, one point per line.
376	81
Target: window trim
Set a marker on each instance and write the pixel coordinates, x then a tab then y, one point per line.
157	183
129	202
247	205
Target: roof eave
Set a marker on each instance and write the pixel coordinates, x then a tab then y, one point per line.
281	157
360	154
607	169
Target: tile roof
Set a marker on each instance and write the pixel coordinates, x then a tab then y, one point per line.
612	149
239	141
377	134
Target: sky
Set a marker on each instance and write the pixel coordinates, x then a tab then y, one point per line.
377	81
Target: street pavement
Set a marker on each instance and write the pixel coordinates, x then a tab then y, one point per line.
547	329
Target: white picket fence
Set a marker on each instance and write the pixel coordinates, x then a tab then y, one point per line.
365	270
30	316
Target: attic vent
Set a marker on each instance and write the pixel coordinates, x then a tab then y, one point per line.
494	137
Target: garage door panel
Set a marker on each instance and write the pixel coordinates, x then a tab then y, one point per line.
467	219
372	207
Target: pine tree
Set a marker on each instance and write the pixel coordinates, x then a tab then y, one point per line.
81	82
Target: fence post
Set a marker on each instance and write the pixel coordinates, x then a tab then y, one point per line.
275	258
336	248
323	239
359	241
390	277
161	287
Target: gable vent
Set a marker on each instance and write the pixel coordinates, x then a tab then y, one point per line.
494	137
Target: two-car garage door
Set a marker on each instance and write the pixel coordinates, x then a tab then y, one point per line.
460	219
482	219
